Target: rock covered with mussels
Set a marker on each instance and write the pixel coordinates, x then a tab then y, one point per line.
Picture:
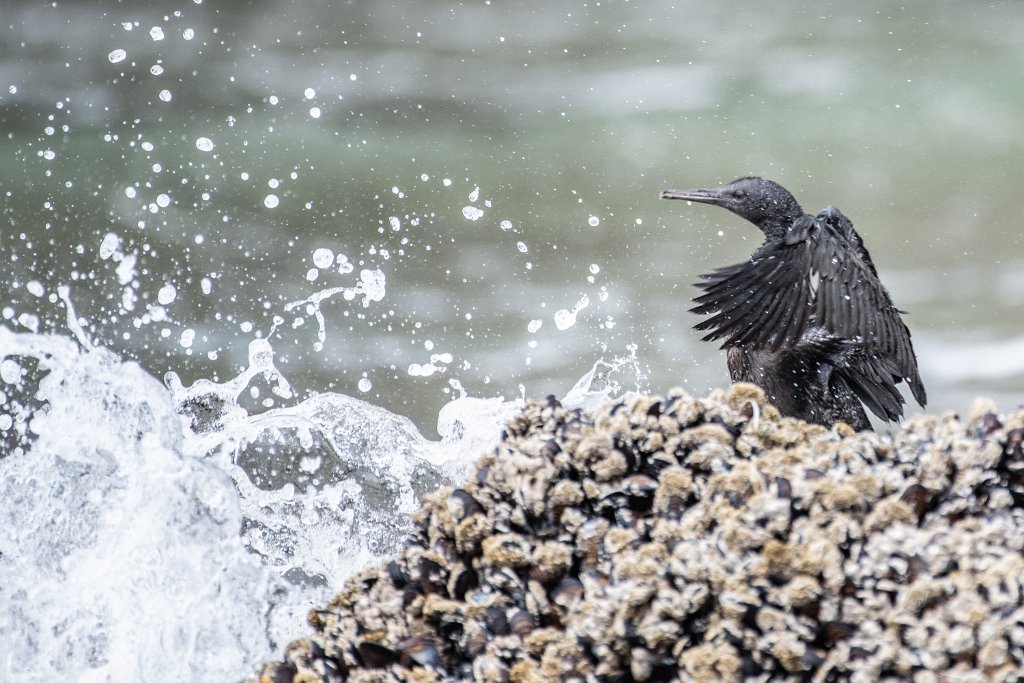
700	540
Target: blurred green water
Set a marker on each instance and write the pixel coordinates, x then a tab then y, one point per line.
568	118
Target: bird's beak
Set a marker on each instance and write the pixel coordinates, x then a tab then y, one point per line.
703	196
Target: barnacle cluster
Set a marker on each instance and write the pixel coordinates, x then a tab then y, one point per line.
685	539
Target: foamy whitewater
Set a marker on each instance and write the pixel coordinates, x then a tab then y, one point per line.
156	532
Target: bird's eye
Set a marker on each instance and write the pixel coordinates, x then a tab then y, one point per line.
738	194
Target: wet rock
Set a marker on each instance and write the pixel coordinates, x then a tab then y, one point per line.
683	539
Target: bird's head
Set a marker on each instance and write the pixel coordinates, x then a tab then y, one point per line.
764	203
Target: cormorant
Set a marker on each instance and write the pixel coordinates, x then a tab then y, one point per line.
806	318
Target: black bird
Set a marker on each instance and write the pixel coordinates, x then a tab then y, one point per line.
806	318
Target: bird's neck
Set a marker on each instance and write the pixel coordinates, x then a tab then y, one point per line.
776	227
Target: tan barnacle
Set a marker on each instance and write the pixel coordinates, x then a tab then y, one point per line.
838	496
711	662
550	560
569	523
471	531
595	452
738	484
658	629
588	539
887	512
749	403
800	592
790	651
489	668
738	602
618	539
675	487
564	493
506	550
531	489
646	562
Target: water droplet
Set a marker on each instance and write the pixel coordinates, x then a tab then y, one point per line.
167	294
323	257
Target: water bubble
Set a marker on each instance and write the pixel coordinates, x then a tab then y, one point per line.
472	213
534	326
447	182
188	34
204	144
521	246
314	112
309	93
156	33
129	192
506	225
595	269
475	194
271	201
594	221
156	69
187	338
35	288
396	224
165	95
117	55
163	201
364	385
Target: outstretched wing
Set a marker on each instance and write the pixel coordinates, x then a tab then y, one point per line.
851	301
764	303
